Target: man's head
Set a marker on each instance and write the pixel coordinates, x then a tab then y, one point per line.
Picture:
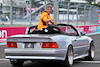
49	9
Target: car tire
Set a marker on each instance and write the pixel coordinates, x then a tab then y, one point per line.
17	62
91	52
69	57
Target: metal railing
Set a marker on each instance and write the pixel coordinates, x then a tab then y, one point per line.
77	14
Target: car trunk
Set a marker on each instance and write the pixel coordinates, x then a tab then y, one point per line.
29	41
30	38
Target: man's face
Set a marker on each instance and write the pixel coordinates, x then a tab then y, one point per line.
48	10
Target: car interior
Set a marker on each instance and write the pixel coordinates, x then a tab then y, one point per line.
53	29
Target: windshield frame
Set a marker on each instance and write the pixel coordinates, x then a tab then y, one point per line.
58	27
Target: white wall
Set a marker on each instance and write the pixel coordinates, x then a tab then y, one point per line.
1	1
97	1
79	1
76	0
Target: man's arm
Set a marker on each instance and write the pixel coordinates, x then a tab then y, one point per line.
50	20
44	17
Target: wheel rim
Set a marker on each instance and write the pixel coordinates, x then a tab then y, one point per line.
92	51
70	57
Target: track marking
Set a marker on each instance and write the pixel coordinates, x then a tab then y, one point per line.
96	62
3	59
97	51
3	43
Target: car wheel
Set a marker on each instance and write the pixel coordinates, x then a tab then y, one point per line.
17	62
69	57
91	52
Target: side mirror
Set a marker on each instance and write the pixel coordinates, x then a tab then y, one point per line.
82	33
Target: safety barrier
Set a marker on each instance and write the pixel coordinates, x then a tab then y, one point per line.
9	31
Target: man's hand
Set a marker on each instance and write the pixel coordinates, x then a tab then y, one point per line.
52	22
49	20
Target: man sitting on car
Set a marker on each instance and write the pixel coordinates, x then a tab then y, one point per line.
45	19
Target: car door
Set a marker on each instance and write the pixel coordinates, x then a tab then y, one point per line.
80	45
79	42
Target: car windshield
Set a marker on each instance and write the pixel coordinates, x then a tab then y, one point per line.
68	30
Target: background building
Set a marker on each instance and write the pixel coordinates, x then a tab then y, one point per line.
97	1
0	8
17	6
20	5
84	1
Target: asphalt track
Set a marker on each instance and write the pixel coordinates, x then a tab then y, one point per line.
77	63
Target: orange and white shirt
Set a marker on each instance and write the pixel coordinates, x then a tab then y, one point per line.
43	20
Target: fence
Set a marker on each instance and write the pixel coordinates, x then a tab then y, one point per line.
77	14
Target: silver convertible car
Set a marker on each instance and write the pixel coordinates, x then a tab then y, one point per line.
59	42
